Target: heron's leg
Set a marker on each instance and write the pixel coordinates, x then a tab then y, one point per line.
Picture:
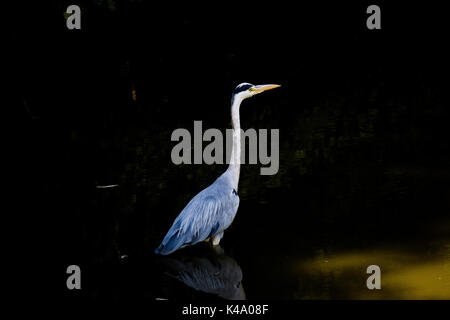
218	250
216	238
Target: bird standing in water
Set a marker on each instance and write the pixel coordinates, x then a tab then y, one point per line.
213	209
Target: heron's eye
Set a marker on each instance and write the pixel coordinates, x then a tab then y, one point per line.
251	89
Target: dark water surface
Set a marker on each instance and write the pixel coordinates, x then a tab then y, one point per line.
364	170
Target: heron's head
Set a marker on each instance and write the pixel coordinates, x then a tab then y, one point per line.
247	90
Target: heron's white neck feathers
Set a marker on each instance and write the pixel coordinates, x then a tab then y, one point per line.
235	160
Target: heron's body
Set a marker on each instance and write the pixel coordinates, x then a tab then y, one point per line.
212	210
206	216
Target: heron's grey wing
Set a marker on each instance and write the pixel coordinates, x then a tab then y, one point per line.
209	212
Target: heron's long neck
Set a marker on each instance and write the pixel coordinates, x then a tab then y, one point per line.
235	160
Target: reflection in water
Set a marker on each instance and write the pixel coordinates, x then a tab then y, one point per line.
210	271
403	275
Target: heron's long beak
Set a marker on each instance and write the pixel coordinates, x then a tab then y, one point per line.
264	87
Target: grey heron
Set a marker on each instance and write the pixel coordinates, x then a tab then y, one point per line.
213	209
